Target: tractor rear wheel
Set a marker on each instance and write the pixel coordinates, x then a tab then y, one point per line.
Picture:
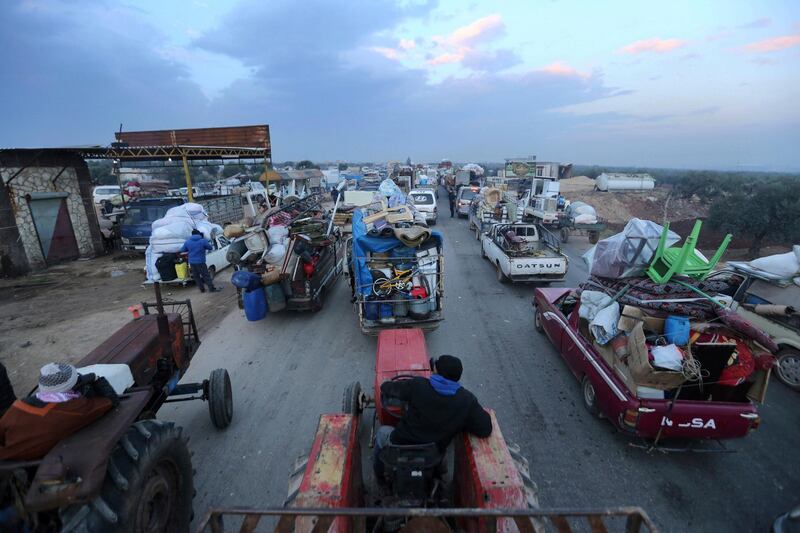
220	398
148	485
351	401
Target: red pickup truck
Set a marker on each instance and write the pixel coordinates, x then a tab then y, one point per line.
605	392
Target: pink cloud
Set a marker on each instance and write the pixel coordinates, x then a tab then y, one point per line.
459	44
655	45
388	53
558	68
773	44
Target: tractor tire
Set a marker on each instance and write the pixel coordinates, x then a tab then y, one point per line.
564	233
220	398
295	479
351	399
521	464
148	485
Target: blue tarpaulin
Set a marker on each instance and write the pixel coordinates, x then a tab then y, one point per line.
363	243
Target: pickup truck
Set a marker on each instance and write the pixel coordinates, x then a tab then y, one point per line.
524	253
607	393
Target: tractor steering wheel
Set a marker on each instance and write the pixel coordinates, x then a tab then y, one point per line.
398	377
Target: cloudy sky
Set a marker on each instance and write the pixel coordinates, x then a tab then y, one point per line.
679	83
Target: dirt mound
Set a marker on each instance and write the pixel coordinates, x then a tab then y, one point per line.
576	184
656	205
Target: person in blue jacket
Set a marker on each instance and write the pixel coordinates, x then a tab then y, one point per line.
196	246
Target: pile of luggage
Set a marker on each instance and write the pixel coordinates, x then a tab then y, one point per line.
674	337
168	235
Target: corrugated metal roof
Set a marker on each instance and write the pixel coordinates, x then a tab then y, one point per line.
234	136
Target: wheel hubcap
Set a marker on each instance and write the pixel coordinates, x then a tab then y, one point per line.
588	393
789	367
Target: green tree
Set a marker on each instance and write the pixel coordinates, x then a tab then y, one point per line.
306	164
101	171
761	210
342	167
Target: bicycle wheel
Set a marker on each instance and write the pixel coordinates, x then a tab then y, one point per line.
382	287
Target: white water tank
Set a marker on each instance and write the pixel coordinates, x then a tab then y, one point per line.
624	182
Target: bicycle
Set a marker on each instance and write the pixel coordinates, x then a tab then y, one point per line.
401	282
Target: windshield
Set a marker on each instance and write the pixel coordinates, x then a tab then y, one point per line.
107	190
467	194
145	213
422	199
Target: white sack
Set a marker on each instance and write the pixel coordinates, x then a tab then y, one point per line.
166	246
195	211
591	304
585	218
669	357
118	375
150	258
783	265
275	254
604	325
208	229
276	233
168	220
176	230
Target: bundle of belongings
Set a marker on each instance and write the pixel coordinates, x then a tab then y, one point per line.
492	205
582	213
66	400
167	238
677	339
395	265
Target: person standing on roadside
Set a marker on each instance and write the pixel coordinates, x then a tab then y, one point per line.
451	195
197	246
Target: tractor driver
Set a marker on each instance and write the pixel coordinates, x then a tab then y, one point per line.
437	409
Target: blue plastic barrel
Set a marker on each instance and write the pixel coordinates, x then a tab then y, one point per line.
676	329
246	280
371	310
386	310
255	304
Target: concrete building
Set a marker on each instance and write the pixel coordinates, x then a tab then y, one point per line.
46	211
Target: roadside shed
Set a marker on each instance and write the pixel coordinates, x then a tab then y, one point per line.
46	211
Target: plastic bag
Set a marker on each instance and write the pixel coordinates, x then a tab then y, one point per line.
669	357
389	188
275	254
784	265
585	218
150	258
629	253
604	325
169	220
276	233
176	230
195	211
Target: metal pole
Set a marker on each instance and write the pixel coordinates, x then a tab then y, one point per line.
188	177
336	205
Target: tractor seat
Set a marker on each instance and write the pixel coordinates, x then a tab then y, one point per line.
411	469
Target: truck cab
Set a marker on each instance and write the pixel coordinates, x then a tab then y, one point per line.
135	224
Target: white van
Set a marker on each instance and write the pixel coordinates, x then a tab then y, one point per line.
425	202
104	192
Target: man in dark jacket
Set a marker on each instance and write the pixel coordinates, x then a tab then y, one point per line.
437	410
197	246
451	195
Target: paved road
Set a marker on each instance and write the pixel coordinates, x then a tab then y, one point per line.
290	368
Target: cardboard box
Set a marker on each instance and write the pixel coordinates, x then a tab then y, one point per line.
639	363
631	315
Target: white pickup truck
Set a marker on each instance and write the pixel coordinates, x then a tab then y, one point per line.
525	253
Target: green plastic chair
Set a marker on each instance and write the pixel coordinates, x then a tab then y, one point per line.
683	261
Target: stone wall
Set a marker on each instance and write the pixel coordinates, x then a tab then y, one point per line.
13	259
65	173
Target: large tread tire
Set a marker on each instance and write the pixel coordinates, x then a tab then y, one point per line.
787	368
351	399
295	480
564	234
148	485
220	398
521	464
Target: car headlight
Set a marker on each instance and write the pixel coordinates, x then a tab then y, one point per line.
126	241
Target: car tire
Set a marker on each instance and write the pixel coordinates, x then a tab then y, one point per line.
589	396
500	276
150	465
787	368
538	319
220	398
233	257
483	252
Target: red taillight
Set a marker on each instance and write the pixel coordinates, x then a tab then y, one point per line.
755	423
630	418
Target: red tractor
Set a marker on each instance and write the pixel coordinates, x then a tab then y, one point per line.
332	489
127	471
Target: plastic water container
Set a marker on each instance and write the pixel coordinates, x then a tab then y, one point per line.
386	311
401	306
255	304
371	310
246	280
676	330
182	270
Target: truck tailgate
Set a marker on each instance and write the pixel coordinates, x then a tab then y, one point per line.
696	419
525	266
